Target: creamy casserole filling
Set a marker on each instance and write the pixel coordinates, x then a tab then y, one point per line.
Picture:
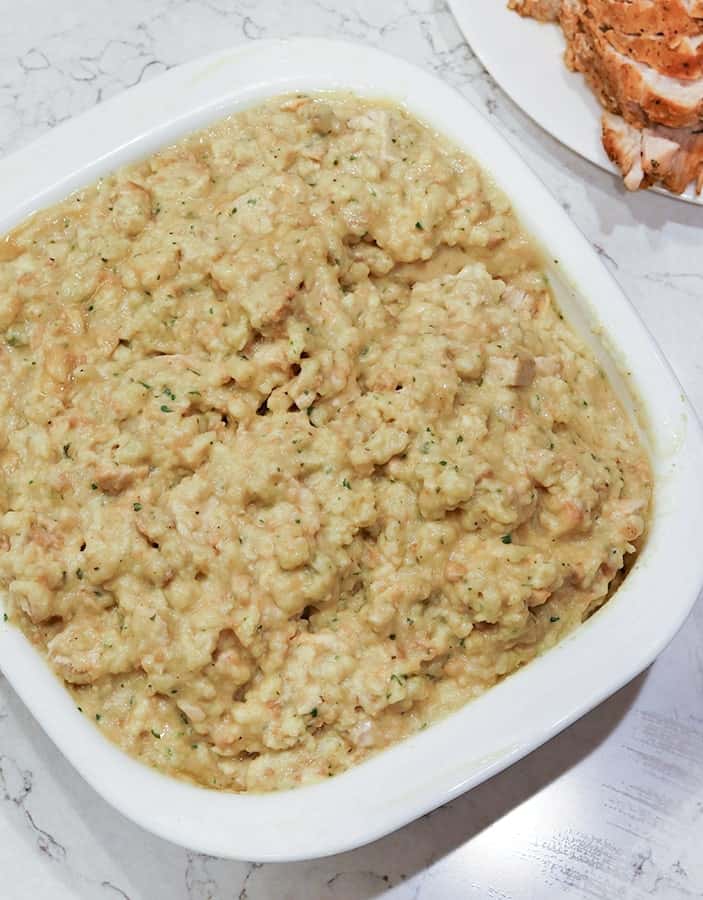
297	452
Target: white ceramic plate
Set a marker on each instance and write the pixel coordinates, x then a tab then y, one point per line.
531	706
525	58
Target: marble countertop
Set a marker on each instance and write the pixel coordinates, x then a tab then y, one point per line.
613	807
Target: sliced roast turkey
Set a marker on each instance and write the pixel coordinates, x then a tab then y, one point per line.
659	155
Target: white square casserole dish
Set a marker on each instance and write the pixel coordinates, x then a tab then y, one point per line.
532	705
